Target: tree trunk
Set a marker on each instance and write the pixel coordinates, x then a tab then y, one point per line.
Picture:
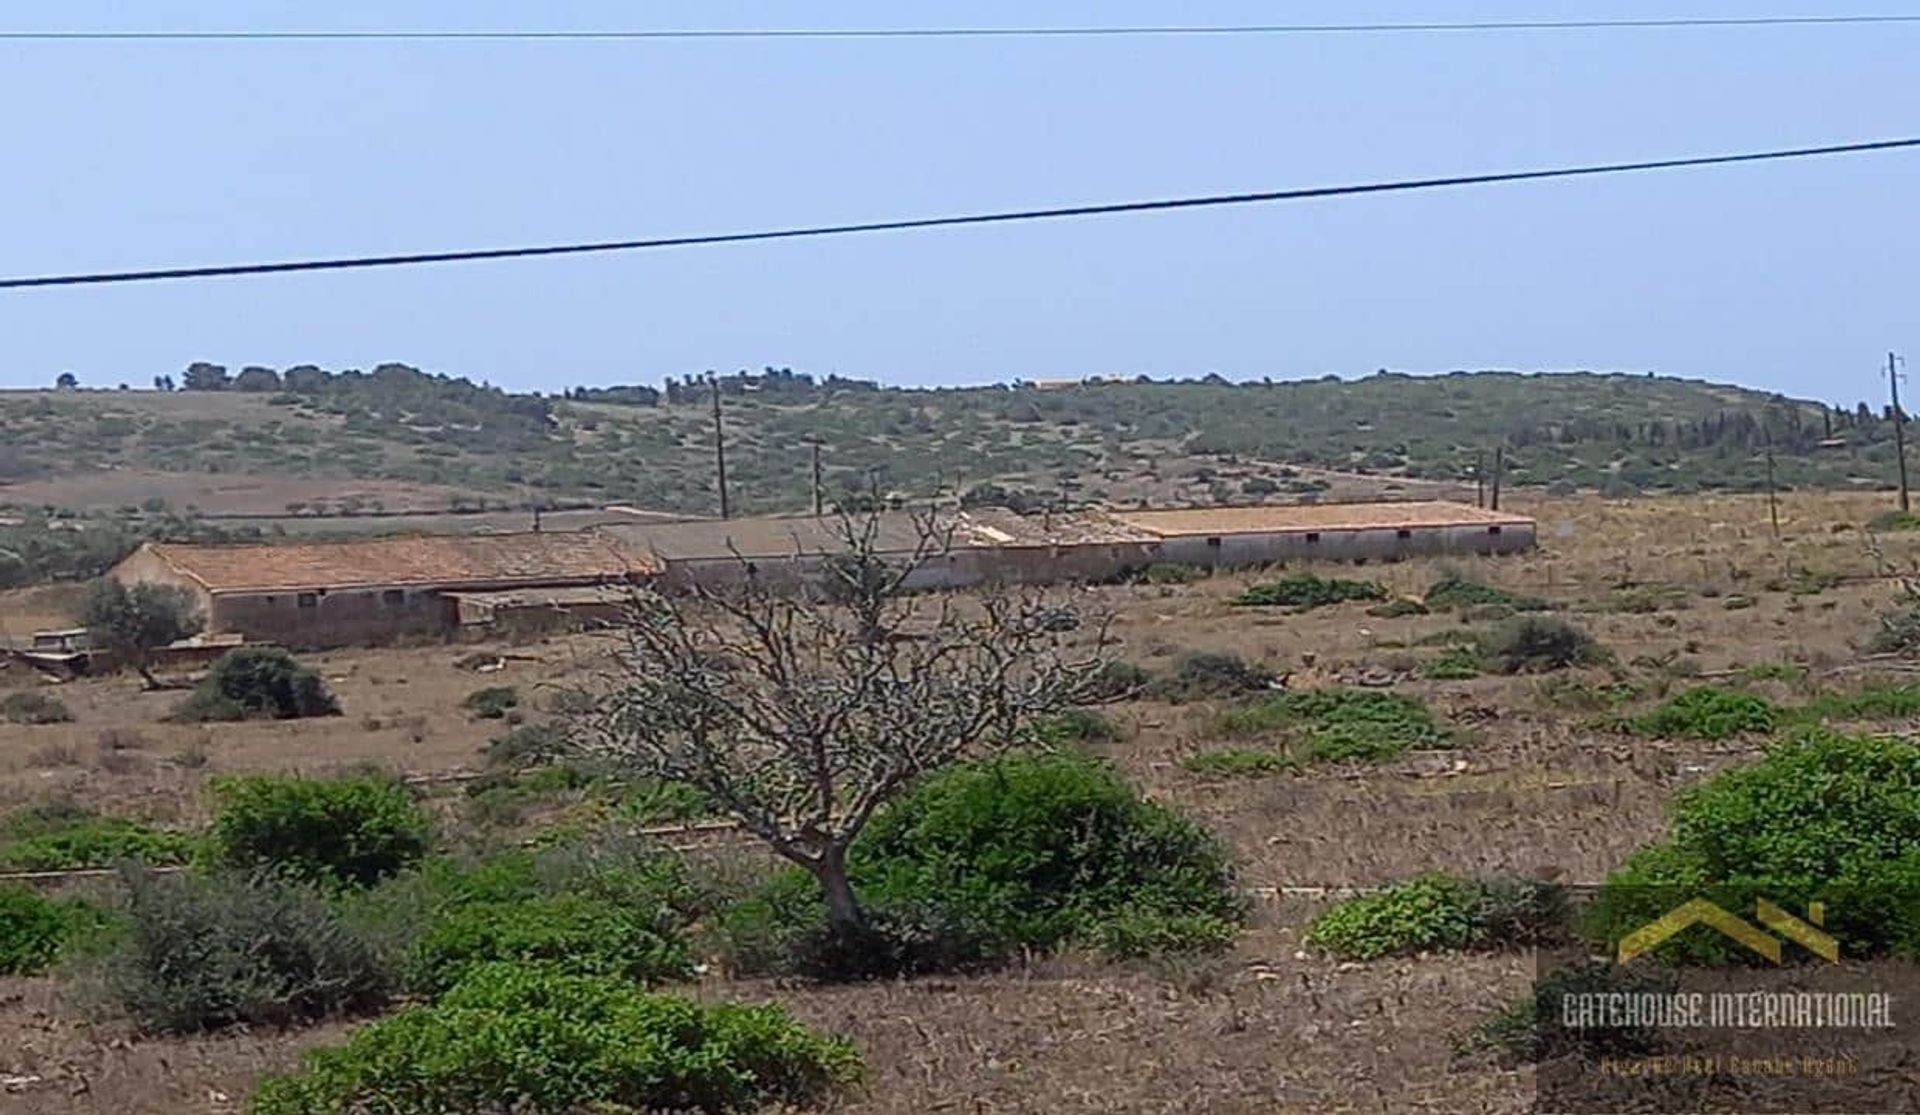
843	906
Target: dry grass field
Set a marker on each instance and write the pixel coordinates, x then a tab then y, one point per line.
1532	789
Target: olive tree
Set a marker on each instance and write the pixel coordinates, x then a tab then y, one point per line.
803	705
133	622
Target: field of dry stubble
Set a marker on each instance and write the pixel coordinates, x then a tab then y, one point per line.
1532	788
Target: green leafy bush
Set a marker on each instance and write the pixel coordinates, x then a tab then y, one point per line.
1034	852
559	1044
1437	913
1708	712
1200	675
1337	723
1238	762
64	840
200	952
1532	644
573	933
1397	608
1454	591
1456	663
492	702
355	829
257	683
1309	590
1073	726
26	706
1823	817
35	930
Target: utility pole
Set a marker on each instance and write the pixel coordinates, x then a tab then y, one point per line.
1773	504
1499	466
816	480
1899	427
719	447
1480	479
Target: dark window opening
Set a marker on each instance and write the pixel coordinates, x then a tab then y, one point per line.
393	598
307	600
1313	536
1493	530
1403	534
1214	542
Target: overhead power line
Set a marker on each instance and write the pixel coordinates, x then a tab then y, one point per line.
1201	202
1188	30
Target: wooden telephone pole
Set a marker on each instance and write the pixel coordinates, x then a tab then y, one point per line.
1899	426
816	480
1499	466
719	446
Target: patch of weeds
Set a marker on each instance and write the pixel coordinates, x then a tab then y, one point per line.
1457	663
1453	591
1809	582
1645	600
27	706
1533	1028
1200	675
1773	671
1236	762
1119	680
1708	712
492	702
1738	601
63	838
1171	573
1888	521
529	745
1338	723
1398	607
1076	725
1309	590
1873	702
1439	912
1560	691
1535	644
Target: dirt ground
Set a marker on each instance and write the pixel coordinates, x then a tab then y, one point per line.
1268	1028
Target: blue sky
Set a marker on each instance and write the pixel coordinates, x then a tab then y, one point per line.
1791	277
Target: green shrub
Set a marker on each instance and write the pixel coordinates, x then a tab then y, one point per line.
1337	723
1118	680
1873	702
1073	726
1708	712
529	745
355	830
1309	590
1238	762
492	702
35	930
26	706
559	1044
1200	675
1438	913
37	842
1169	573
1034	852
1532	644
200	952
257	683
1888	521
1456	663
1774	671
572	933
1454	591
1823	817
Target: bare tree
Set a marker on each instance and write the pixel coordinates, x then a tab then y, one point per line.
802	708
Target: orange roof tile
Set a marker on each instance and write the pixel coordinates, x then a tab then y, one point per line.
497	560
1315	516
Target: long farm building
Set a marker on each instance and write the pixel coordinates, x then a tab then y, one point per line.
340	593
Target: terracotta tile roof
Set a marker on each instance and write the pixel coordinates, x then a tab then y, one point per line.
1315	516
479	561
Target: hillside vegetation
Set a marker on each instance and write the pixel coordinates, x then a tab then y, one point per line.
1023	444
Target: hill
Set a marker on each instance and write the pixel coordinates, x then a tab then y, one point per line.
433	438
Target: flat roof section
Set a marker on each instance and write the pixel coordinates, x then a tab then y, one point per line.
1316	516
